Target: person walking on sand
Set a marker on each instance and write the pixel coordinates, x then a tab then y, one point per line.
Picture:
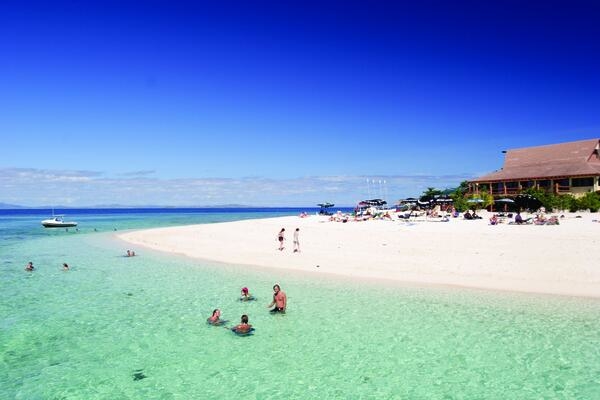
279	300
281	238
297	240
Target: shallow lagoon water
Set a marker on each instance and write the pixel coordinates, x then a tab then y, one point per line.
117	327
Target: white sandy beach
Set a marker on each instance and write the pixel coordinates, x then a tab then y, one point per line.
559	259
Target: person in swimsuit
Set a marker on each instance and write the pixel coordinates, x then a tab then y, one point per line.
65	267
281	238
297	240
29	266
279	300
214	319
245	294
243	327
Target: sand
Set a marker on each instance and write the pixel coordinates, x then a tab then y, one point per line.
559	259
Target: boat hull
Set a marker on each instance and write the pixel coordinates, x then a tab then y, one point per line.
58	224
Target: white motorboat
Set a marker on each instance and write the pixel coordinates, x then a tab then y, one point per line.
57	221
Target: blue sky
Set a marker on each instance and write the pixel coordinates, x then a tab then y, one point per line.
280	103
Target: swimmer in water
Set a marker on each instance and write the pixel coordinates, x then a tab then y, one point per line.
246	294
279	300
214	319
65	267
243	327
29	266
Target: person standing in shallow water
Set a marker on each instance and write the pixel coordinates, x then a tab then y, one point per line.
281	238
29	266
279	300
297	240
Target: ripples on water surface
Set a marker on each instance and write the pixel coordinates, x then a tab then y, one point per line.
118	328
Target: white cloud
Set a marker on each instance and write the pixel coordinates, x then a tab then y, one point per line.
31	187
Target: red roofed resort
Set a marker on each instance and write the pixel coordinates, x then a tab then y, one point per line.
564	168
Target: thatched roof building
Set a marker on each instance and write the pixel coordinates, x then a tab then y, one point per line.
572	167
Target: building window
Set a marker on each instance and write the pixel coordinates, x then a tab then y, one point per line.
582	182
562	182
545	183
526	184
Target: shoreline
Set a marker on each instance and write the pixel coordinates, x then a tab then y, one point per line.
554	260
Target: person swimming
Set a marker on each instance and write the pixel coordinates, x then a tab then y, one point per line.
29	266
215	319
243	328
246	296
215	316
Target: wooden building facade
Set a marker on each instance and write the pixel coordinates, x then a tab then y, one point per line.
572	167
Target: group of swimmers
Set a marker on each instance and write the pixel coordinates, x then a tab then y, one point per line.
130	253
29	267
244	328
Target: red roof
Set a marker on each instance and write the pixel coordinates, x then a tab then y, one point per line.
581	158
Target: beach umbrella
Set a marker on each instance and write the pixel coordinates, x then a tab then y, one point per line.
475	201
506	202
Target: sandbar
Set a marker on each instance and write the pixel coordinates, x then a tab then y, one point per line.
560	259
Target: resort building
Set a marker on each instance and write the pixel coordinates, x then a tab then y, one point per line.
572	167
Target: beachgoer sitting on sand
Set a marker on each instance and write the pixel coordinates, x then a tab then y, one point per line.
29	266
494	220
468	215
518	219
243	327
475	216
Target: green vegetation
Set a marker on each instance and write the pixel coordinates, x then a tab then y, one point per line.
589	201
459	198
562	202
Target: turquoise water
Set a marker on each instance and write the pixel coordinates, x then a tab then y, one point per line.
134	328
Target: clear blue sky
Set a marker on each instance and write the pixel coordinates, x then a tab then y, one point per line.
279	103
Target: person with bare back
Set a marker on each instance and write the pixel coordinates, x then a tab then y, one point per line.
279	300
